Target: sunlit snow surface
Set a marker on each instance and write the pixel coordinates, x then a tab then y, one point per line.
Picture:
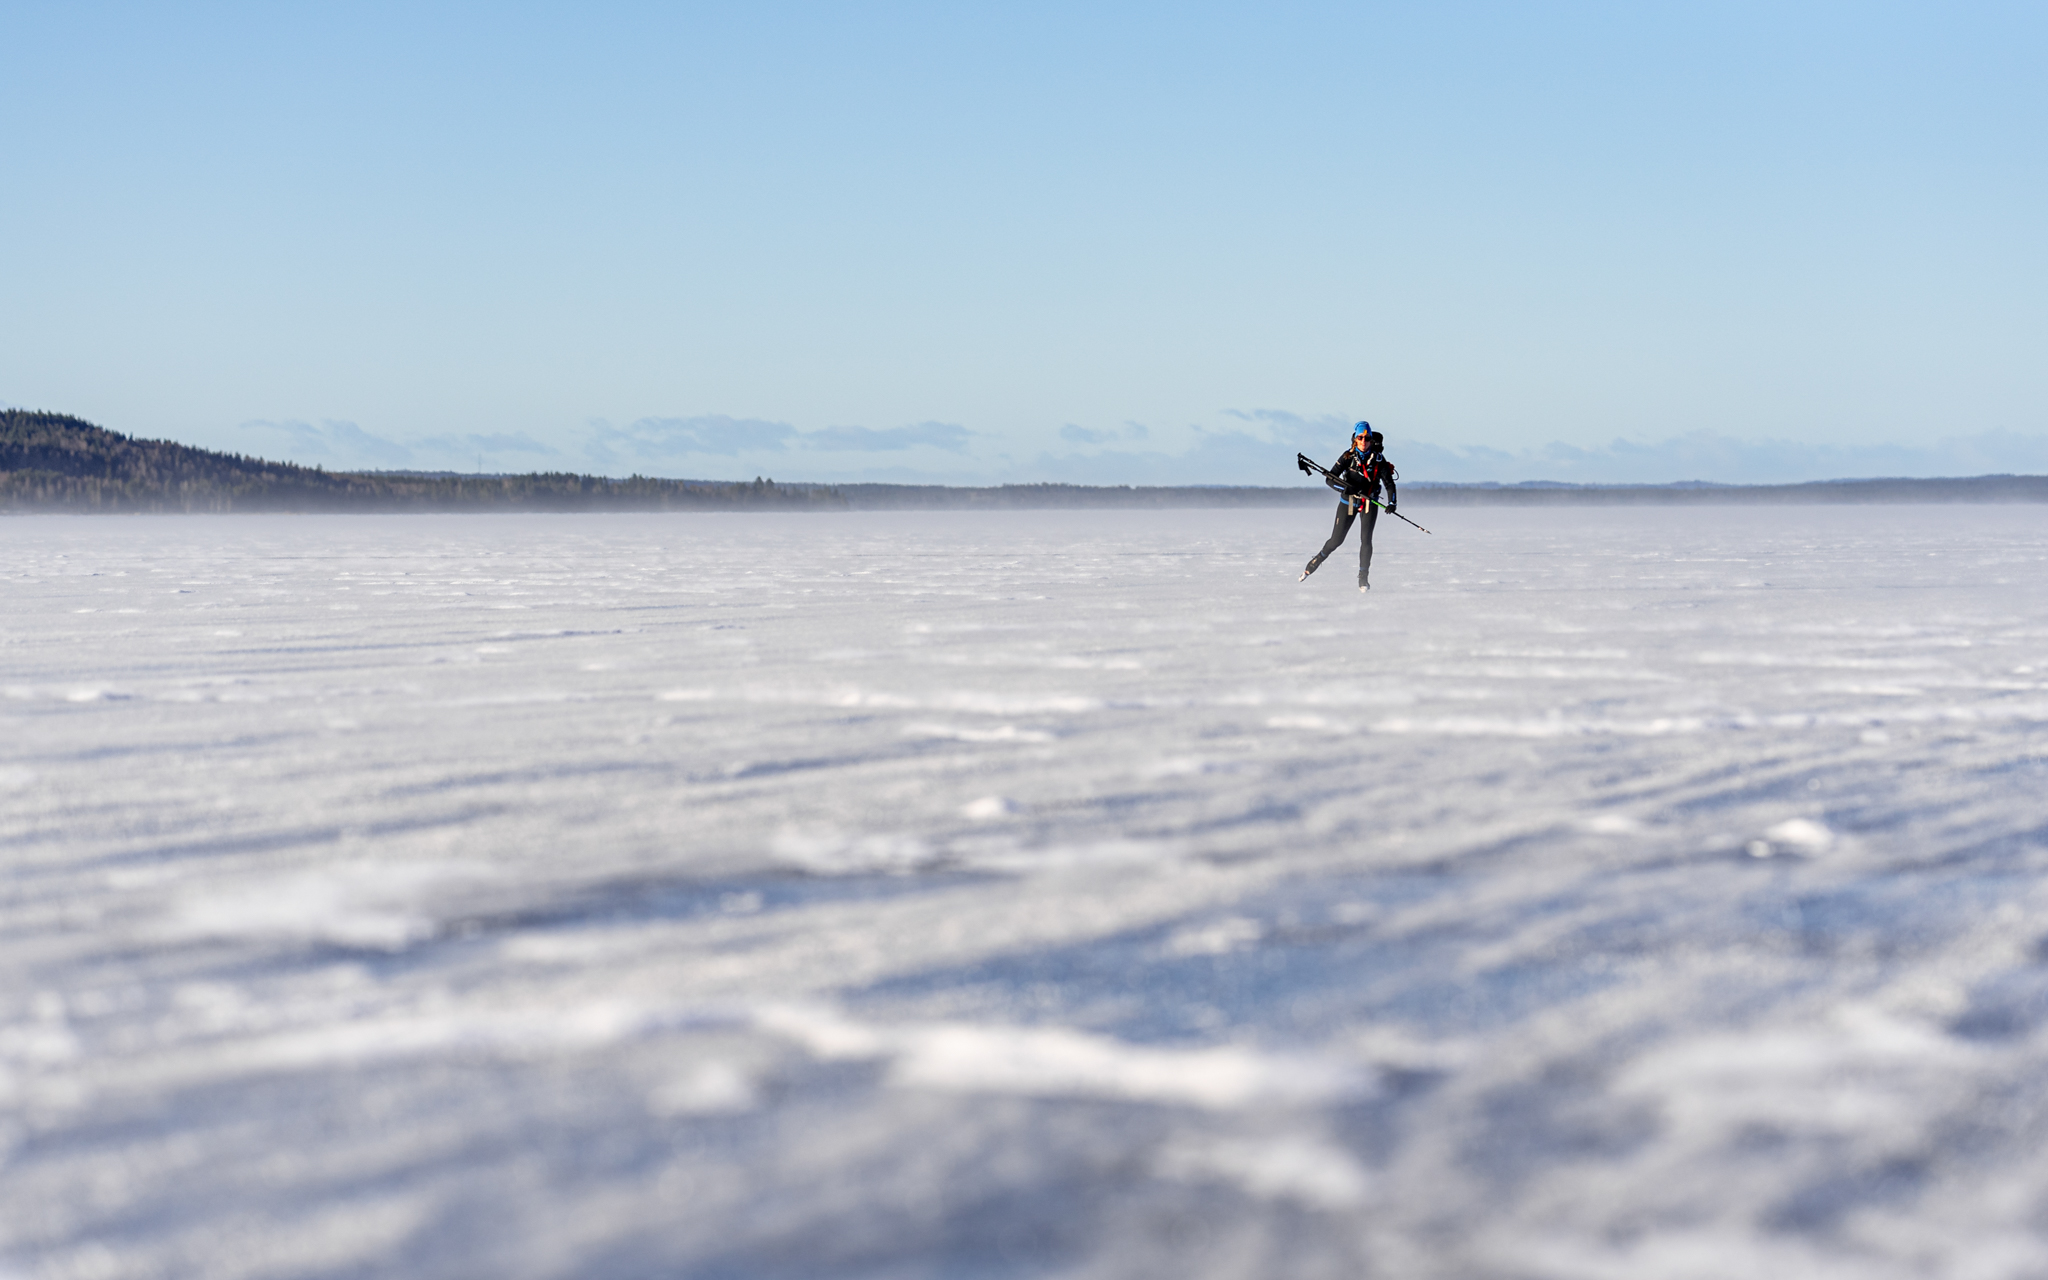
1649	893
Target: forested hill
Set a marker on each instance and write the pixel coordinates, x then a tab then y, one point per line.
53	462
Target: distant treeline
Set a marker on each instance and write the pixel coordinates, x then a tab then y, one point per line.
896	497
1945	489
52	462
875	497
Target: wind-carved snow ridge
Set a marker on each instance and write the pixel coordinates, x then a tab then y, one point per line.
1056	1062
1312	1173
380	907
827	851
1794	835
1647	894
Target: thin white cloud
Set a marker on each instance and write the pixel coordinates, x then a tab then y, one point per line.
654	440
1076	434
344	442
1281	423
949	436
1216	457
497	442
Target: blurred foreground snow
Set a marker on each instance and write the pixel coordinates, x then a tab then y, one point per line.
1648	893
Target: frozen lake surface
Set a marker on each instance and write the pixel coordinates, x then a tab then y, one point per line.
1634	893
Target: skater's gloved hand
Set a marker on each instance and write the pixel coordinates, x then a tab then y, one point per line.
1391	506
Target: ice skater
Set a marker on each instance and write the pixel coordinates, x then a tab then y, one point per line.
1358	477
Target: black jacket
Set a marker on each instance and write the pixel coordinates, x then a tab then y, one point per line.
1361	475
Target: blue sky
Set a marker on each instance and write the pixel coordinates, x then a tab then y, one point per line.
1098	243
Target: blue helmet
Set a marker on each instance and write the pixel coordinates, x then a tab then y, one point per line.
1362	429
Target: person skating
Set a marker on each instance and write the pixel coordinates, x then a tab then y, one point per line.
1358	476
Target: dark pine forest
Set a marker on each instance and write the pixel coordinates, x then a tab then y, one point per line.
54	462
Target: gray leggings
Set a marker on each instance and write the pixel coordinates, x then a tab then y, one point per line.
1366	521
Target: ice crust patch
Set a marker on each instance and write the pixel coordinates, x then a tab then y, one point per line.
1638	893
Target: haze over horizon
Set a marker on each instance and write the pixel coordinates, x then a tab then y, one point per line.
1147	245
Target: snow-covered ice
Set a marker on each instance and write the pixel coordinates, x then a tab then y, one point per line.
1635	893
